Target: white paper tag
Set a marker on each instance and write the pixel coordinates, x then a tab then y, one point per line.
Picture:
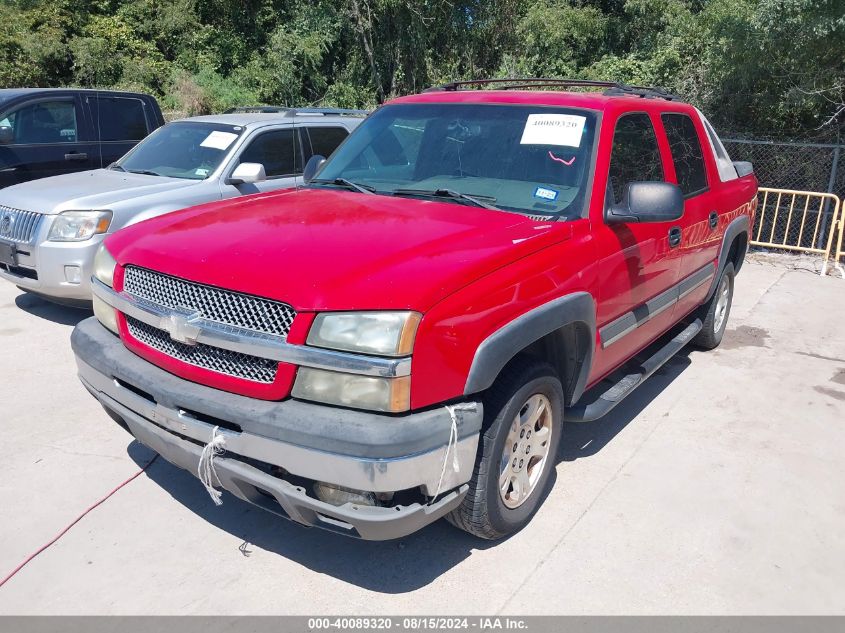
553	129
219	140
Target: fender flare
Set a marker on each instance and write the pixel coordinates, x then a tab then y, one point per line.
500	347
739	226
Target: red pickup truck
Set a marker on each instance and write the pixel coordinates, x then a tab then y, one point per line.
403	338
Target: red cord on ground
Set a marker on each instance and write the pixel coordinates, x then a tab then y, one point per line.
70	525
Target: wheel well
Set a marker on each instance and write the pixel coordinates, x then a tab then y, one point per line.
565	349
738	248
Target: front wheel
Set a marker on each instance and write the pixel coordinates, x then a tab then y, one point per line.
517	453
717	311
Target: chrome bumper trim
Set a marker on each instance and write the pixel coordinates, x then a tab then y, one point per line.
369	474
187	328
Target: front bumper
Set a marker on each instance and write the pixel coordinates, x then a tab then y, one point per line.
355	449
41	267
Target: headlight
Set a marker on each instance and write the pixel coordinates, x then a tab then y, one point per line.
350	390
381	333
78	226
104	265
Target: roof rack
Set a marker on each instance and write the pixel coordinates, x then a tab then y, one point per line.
612	88
291	112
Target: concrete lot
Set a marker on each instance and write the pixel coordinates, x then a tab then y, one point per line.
718	488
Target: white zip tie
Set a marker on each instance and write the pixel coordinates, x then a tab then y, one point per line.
205	469
454	410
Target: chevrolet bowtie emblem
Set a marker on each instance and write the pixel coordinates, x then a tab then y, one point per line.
182	327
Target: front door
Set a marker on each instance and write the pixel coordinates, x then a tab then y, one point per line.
43	137
638	262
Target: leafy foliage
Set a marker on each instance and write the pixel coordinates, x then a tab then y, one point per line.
764	67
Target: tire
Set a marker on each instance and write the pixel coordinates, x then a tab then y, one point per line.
716	312
523	389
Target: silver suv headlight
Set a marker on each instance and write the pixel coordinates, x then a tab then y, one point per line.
78	226
378	333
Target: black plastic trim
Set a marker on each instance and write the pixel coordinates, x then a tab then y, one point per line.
644	312
736	228
501	346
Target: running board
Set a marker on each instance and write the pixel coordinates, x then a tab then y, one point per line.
617	393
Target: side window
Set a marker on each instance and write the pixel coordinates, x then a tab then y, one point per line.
119	118
278	151
635	156
686	153
324	140
41	123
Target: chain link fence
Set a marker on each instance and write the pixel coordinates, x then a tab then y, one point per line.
798	221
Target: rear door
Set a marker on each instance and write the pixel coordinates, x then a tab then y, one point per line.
279	150
700	224
43	136
119	122
638	263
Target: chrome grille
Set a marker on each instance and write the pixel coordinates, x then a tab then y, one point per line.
215	304
18	226
214	359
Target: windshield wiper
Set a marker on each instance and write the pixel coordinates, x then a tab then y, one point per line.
145	172
115	166
450	193
343	182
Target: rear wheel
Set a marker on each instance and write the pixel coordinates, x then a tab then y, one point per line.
716	312
517	452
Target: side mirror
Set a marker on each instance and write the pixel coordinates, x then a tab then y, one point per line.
7	136
312	167
743	168
648	202
247	173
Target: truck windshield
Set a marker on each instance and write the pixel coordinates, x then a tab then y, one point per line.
528	159
183	149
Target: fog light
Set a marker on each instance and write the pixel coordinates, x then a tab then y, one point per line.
338	495
73	274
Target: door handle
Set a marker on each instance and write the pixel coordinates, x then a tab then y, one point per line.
713	220
76	156
674	236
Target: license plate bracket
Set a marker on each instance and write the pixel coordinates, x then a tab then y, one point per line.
8	254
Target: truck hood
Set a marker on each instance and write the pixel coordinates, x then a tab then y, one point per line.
321	249
96	189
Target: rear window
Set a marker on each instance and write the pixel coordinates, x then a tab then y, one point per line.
686	153
119	118
324	140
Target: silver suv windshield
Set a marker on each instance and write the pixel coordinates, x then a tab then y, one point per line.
528	159
183	149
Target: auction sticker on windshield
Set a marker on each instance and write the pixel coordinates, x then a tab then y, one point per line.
553	129
219	140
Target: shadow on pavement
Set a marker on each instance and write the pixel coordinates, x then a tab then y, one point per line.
63	315
588	438
391	567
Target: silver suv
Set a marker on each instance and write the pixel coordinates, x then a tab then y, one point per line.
51	228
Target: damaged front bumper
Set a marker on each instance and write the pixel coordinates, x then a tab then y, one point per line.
354	449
